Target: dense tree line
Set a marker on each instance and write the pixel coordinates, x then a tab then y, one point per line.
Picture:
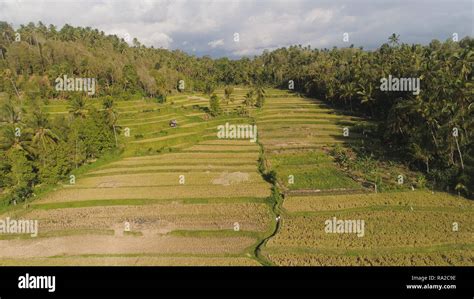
43	54
35	150
417	128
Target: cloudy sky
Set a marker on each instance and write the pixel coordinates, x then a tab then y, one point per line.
209	27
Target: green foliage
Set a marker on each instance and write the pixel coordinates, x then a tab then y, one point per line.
214	105
367	168
228	90
248	99
78	107
415	128
243	111
38	151
21	175
260	93
327	177
209	88
340	155
310	170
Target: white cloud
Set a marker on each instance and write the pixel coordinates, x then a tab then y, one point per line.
216	43
317	15
207	26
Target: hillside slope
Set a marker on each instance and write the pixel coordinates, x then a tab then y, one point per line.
181	196
400	228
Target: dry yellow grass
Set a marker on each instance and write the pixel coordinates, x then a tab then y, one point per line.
401	199
197	156
182	161
168	230
165	192
315	115
211	148
291	141
132	261
383	229
292	110
295	120
172	168
220	142
158	179
300	133
453	258
155	218
267	128
163	138
296	145
94	244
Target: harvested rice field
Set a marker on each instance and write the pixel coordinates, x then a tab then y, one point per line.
204	204
401	228
180	196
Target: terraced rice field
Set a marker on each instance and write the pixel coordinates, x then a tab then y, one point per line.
293	132
180	196
132	260
216	209
200	202
403	228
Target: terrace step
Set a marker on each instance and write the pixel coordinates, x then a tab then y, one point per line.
339	191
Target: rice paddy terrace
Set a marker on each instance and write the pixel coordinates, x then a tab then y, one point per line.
401	228
181	196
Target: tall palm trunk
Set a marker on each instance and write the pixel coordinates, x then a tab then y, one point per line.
459	151
115	135
16	90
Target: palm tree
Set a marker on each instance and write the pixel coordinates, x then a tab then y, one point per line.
248	99
260	92
348	92
7	73
366	95
9	139
43	136
394	39
423	154
11	113
78	107
110	115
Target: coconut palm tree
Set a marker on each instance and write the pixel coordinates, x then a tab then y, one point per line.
366	94
7	73
110	115
13	138
11	113
260	93
43	137
78	107
348	92
394	39
248	99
